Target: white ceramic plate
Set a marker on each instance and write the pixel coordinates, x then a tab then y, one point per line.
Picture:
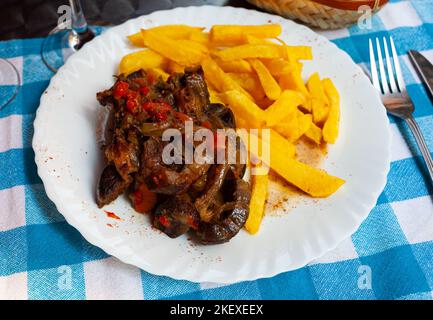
69	162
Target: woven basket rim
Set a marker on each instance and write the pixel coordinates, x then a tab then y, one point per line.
325	14
352	5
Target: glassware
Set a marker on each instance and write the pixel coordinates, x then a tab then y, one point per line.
62	41
10	82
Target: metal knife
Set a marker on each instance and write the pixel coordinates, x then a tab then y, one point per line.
424	69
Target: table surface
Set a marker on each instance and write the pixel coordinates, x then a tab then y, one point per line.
389	257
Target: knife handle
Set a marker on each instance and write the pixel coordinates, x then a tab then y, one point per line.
421	144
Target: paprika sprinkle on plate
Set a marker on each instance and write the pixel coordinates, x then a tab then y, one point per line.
112	215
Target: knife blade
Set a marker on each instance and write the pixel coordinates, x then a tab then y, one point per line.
424	69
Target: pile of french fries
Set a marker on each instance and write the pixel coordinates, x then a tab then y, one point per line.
252	71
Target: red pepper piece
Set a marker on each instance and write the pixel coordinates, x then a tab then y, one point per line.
206	124
143	199
144	90
120	89
131	105
164	221
131	94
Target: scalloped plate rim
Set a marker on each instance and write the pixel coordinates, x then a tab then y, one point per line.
111	250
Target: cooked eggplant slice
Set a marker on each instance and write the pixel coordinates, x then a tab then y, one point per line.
110	186
207	199
175	216
228	217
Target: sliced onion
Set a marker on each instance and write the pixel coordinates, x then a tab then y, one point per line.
153	129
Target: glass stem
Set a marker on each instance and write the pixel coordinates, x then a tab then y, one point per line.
79	23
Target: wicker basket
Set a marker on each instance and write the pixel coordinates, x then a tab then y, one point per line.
325	14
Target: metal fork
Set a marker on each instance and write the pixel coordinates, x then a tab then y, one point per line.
394	94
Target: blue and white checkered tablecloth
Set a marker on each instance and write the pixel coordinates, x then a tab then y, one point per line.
389	257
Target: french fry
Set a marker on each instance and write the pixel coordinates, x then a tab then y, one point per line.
262	145
305	121
136	39
173	67
330	128
250	51
292	80
257	202
214	74
287	127
295	53
249	39
277	66
219	79
240	122
172	49
306	104
177	31
278	142
269	84
195	45
315	87
314	133
284	107
275	141
201	37
157	72
319	101
294	126
291	53
249	82
244	108
300	52
171	31
264	103
238	66
235	34
143	59
315	182
214	96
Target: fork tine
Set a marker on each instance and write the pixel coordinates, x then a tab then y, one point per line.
383	80
373	68
399	74
391	76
